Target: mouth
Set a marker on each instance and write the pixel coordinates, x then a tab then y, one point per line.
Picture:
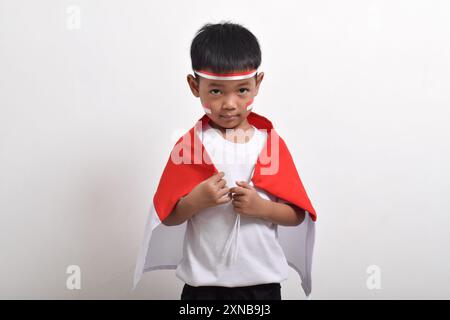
229	116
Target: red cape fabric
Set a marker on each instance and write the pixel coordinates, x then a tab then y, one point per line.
178	179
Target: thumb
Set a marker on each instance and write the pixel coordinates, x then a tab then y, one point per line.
244	184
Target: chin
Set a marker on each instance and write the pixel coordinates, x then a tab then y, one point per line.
230	124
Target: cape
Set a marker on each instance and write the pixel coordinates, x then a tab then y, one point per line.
189	164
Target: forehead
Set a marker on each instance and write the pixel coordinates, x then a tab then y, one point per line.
227	83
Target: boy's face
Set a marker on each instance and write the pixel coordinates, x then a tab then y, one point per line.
227	99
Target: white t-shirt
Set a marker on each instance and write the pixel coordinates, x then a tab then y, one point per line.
222	247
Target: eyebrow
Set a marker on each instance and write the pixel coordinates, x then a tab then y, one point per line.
214	84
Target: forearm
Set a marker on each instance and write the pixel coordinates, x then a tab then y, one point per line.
282	214
184	209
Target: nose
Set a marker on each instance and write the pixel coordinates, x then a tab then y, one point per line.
229	104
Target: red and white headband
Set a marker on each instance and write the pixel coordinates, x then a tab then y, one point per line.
227	76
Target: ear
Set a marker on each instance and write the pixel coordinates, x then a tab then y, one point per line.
259	78
194	85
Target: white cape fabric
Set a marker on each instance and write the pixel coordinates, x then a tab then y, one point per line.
162	247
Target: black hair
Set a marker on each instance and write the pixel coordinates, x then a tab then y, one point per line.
225	47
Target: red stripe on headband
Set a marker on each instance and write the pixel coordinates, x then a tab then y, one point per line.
227	74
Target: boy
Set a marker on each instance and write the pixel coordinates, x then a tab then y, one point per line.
232	212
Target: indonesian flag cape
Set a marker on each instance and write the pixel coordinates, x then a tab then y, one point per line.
162	246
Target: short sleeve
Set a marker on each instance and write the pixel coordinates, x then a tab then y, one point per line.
280	200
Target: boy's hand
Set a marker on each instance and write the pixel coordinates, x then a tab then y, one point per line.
211	192
246	201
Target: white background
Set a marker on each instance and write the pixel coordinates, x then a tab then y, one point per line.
359	90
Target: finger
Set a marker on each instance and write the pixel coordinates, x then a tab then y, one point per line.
225	199
219	175
238	196
221	183
237	190
244	184
224	191
236	204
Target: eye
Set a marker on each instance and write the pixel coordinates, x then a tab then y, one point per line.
214	90
247	90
